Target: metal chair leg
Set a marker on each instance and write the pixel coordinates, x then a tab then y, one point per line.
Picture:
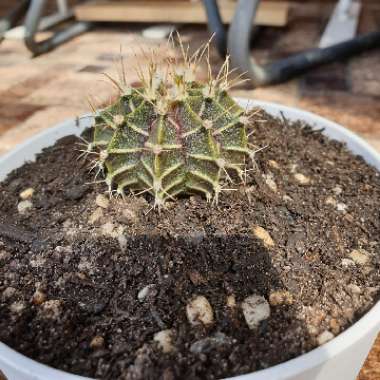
215	26
279	71
34	19
11	19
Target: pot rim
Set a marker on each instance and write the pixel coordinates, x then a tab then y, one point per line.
369	321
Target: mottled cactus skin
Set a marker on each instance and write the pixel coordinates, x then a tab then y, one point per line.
172	136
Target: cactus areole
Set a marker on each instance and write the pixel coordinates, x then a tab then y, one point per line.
173	136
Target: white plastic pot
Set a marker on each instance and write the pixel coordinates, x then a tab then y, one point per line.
339	359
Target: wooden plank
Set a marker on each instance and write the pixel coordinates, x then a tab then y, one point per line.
274	13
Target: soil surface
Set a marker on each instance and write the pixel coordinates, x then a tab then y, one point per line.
109	288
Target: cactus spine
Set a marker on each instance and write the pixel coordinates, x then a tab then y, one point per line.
173	135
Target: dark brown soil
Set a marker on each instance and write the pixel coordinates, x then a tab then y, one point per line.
71	271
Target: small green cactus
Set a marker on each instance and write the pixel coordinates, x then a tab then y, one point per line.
173	135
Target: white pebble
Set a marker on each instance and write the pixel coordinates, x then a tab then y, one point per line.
347	262
27	193
199	310
148	291
96	215
337	190
353	288
263	235
17	307
325	337
302	179
341	207
293	168
359	256
24	206
102	201
270	182
255	309
164	339
108	229
52	309
123	242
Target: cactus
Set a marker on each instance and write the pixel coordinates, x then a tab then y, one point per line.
173	135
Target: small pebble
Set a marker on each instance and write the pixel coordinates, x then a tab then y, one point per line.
268	178
17	307
286	198
51	309
24	206
102	201
255	309
302	179
199	310
39	297
9	292
274	164
37	261
112	230
123	242
353	288
27	193
359	256
263	235
210	343
293	168
280	297
330	201
347	262
349	218
341	207
148	292
334	325
324	337
107	228
337	190
97	342
164	339
128	216
4	255
231	301
312	330
81	276
96	216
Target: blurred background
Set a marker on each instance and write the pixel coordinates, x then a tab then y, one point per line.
319	55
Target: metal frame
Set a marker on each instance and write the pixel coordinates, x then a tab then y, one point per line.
35	22
238	46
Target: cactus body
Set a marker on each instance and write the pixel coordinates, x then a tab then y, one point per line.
172	136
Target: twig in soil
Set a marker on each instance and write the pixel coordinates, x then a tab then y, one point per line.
16	234
312	131
284	119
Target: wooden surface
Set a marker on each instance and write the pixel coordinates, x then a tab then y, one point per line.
272	13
